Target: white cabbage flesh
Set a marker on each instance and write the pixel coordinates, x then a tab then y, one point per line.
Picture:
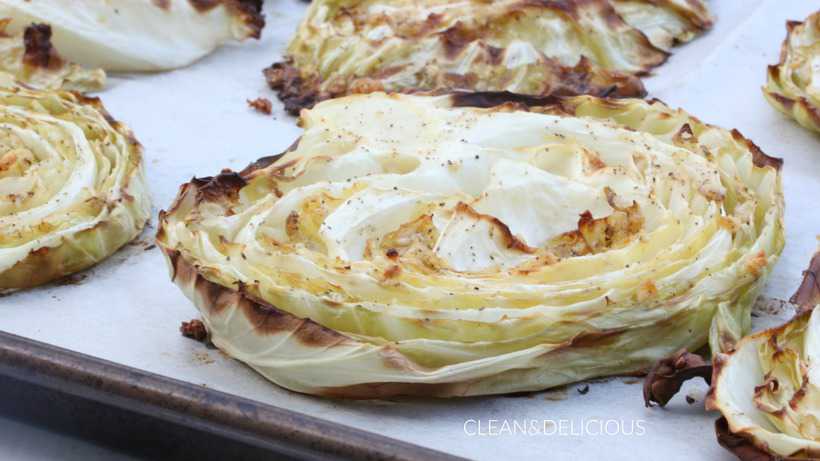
485	250
135	35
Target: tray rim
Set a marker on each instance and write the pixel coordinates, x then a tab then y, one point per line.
249	421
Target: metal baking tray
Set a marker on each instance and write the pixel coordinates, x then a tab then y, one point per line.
221	415
111	335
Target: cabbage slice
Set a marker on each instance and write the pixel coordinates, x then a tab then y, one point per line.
72	183
569	47
478	243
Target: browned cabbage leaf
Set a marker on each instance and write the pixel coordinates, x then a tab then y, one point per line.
594	47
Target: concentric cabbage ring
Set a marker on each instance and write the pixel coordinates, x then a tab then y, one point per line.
596	47
71	182
768	388
793	85
455	245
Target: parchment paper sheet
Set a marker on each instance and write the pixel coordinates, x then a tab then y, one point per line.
195	122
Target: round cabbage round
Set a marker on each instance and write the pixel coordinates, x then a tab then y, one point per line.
793	85
478	243
72	185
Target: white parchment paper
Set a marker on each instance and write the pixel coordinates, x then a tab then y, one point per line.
195	122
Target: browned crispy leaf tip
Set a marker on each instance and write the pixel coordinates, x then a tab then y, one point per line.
194	329
808	294
667	376
740	446
248	11
262	105
293	90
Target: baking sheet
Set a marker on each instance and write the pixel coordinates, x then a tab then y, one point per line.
195	122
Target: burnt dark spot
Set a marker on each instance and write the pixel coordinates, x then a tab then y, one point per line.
39	51
295	91
226	184
488	99
194	329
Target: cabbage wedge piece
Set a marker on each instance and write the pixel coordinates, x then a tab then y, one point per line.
139	35
768	388
477	243
793	84
31	59
596	47
71	182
